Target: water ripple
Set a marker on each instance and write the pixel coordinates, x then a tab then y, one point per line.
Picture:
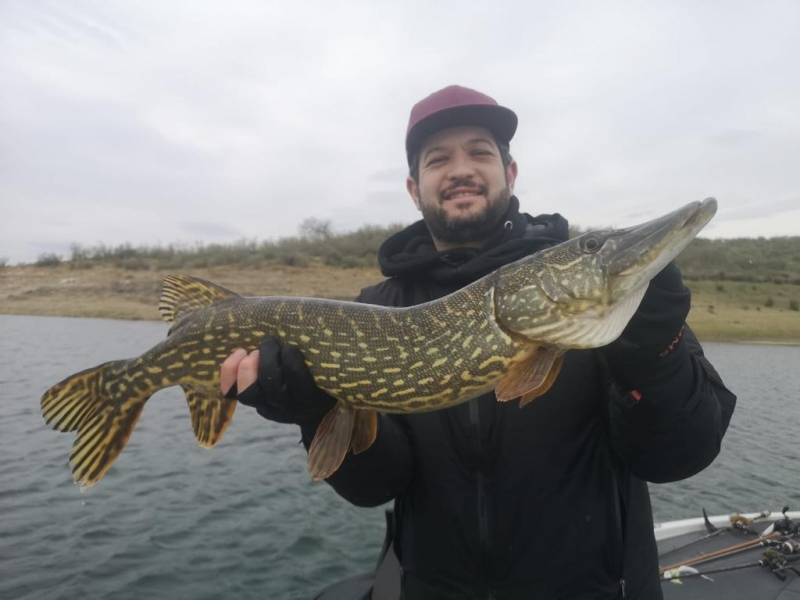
243	520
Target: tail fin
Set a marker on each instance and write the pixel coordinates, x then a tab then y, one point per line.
103	406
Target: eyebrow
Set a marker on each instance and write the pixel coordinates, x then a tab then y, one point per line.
471	141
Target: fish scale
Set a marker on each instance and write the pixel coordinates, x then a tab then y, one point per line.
506	332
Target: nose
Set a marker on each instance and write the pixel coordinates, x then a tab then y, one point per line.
461	166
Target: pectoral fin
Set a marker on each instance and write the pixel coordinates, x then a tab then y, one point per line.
532	376
365	430
547	382
331	441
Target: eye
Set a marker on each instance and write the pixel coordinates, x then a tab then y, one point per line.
591	244
435	160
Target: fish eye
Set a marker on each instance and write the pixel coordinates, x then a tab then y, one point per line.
591	244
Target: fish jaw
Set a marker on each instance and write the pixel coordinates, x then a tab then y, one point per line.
638	254
583	292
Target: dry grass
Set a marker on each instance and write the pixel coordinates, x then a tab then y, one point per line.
722	311
740	311
110	292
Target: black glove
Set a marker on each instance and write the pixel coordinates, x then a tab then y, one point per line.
650	347
285	390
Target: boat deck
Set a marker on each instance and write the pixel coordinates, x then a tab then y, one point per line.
754	582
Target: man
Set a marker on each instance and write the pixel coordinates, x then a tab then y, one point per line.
494	501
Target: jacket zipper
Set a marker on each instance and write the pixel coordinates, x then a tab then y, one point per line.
483	517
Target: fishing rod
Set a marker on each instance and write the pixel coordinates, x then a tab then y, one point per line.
739	524
772	560
779	535
723	552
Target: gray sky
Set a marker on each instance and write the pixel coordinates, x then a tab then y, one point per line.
160	122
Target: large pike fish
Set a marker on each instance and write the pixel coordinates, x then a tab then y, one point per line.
506	332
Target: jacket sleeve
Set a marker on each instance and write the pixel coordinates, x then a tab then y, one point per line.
384	470
671	428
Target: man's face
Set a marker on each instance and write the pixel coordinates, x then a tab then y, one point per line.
463	190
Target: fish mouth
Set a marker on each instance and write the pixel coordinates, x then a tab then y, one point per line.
638	253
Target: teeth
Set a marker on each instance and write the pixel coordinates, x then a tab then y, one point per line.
459	194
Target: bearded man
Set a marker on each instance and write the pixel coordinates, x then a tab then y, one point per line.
494	501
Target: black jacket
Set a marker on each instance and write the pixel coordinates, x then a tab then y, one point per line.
547	501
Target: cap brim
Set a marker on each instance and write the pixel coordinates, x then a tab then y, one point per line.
501	121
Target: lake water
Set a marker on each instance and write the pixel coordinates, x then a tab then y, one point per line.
172	520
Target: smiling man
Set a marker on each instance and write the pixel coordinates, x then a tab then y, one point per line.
493	501
461	182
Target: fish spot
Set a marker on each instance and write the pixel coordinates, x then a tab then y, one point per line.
493	359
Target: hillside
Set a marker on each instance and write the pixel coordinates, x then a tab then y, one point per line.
743	290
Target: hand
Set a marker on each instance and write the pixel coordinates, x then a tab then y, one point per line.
275	381
653	335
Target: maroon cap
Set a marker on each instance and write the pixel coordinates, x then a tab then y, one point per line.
453	106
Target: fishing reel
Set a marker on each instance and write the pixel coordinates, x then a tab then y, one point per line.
777	563
786	526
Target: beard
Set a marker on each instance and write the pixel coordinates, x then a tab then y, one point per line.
472	228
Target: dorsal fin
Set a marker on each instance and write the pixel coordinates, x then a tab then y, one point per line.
181	294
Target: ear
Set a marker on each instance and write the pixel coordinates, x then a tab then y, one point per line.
413	191
511	174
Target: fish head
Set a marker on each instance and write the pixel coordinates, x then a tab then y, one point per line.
582	293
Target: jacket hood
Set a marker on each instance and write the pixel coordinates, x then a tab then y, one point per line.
411	254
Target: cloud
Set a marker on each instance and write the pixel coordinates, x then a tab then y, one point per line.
165	122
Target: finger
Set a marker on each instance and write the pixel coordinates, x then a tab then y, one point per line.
248	371
227	372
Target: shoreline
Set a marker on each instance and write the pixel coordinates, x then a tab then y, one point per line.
704	339
736	313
